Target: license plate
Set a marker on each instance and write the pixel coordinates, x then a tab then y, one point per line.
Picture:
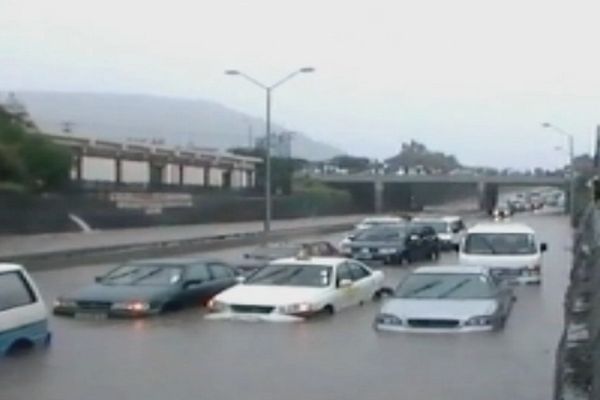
91	315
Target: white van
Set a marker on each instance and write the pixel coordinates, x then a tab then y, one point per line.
23	315
450	229
509	249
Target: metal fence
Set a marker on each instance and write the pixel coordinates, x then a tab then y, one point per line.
578	353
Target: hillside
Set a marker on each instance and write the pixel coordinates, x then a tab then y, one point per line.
177	121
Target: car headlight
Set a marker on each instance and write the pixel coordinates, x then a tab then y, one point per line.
135	306
387	250
216	305
66	303
345	249
481	320
296	308
387	319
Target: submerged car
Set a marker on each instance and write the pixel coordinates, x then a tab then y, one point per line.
394	244
146	288
23	315
293	289
447	299
262	255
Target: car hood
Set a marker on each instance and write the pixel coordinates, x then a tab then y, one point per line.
439	308
500	260
378	244
268	295
113	293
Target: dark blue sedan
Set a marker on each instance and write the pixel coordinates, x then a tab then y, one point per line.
144	288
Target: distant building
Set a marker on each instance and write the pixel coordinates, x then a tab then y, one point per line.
281	144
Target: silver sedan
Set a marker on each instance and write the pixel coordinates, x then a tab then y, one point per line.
447	299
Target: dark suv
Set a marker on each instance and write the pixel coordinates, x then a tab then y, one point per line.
394	244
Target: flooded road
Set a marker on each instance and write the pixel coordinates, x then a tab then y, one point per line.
185	356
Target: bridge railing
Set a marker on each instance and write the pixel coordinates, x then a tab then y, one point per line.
578	355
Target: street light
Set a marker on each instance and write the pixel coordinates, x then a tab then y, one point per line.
571	162
268	89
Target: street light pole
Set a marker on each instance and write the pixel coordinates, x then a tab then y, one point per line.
268	90
570	141
268	200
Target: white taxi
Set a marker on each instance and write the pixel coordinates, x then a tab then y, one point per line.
292	289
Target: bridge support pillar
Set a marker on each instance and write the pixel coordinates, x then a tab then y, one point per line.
488	196
206	179
118	170
378	187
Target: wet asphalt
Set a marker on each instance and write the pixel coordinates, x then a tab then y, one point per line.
182	355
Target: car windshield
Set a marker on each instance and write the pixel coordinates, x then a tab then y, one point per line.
445	286
380	235
500	243
292	275
438	226
143	275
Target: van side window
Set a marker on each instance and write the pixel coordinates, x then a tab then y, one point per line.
14	291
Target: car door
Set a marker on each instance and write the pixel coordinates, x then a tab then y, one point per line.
197	285
344	296
504	294
429	241
414	244
223	277
363	280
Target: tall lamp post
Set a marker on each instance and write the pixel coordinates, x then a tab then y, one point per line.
570	141
268	90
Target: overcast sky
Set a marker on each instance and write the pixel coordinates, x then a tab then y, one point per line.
474	78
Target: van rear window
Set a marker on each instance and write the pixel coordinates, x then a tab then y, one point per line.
14	291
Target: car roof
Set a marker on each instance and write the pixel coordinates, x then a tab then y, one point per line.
382	218
167	262
452	269
310	261
445	218
501	227
7	267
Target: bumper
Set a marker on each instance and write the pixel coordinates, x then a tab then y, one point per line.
408	329
102	314
252	317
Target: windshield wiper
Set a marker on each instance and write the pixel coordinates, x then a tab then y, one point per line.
110	278
148	275
454	288
423	288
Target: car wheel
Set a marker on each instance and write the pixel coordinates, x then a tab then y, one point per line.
382	292
500	323
328	310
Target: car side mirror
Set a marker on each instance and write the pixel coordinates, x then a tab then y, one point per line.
543	247
345	283
351	237
192	283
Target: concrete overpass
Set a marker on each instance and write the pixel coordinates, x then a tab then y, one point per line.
107	161
403	188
